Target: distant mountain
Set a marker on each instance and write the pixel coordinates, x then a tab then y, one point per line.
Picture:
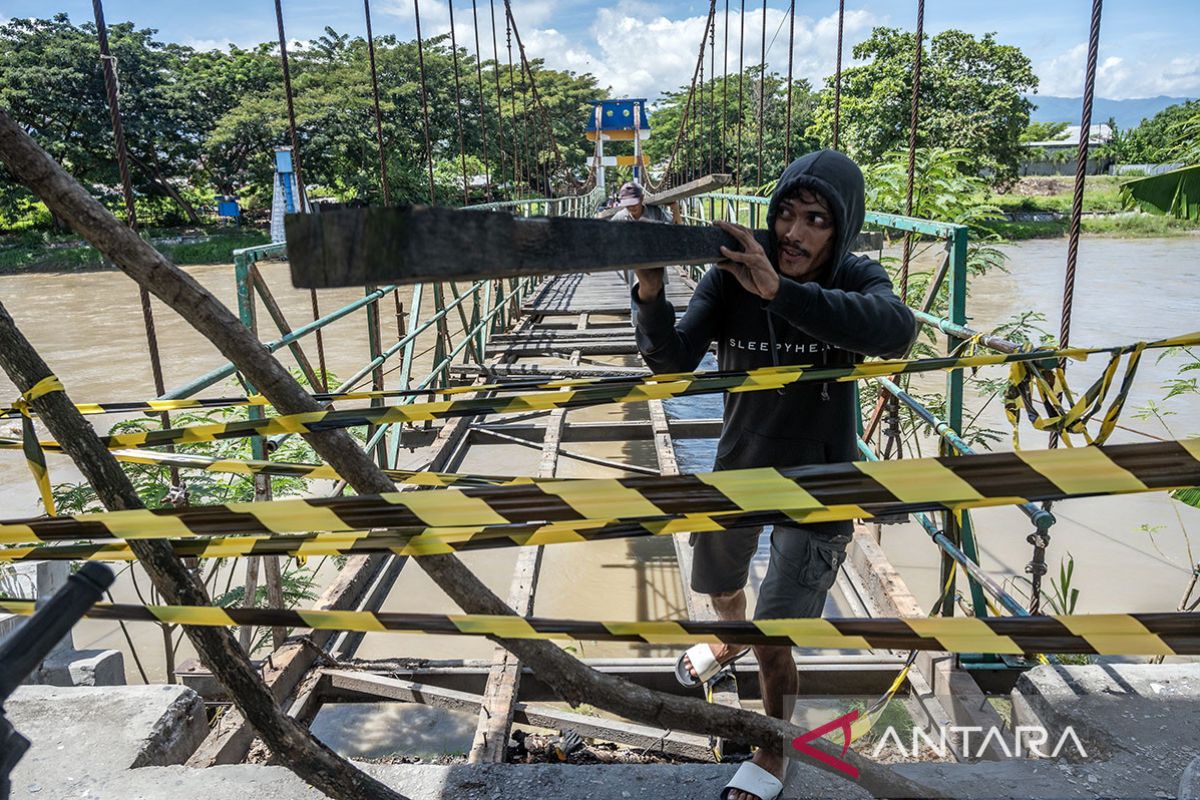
1127	113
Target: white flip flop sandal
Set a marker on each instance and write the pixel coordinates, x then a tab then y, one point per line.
706	665
752	778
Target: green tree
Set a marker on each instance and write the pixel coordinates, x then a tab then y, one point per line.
1043	132
53	83
198	121
1171	134
714	123
971	98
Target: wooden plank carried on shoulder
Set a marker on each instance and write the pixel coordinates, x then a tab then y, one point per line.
413	244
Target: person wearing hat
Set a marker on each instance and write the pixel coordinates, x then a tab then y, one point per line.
803	299
633	209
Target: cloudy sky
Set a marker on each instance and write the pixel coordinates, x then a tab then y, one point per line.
640	49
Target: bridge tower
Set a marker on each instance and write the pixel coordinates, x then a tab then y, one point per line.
619	121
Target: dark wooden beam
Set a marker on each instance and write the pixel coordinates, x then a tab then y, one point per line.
413	244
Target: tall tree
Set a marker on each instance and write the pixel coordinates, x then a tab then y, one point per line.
703	136
971	98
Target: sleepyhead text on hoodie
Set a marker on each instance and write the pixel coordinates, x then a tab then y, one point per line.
847	312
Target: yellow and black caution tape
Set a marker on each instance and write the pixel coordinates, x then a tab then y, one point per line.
831	491
29	441
604	390
289	468
425	541
1171	633
1073	418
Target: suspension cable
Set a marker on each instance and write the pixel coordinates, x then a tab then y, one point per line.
762	92
837	81
710	136
537	100
1085	130
741	96
1040	538
787	137
483	129
912	144
519	166
108	63
462	151
383	176
499	96
712	10
424	100
699	131
303	204
725	95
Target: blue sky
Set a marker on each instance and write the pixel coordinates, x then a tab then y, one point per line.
1147	48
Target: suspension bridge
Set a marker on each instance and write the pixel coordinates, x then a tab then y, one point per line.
507	407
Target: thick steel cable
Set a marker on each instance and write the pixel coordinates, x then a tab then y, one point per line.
537	100
912	144
698	123
499	96
741	92
787	136
462	150
1040	539
1089	90
725	95
837	81
712	10
108	64
383	176
424	100
377	373
519	148
483	129
762	92
710	136
303	202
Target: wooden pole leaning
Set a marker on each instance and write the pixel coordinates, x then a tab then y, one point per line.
570	679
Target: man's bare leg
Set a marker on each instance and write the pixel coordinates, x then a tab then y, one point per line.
780	684
729	607
777	671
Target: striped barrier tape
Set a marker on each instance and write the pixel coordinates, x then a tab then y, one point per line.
1170	633
768	373
839	491
29	441
622	391
289	468
1073	417
425	541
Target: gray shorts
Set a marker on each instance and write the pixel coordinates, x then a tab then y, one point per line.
803	566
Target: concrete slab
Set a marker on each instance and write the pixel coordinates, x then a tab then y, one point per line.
82	737
460	782
1139	723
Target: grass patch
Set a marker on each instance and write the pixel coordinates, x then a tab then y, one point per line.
1020	231
1139	225
29	253
1101	193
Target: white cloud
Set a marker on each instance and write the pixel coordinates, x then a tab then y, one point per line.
1119	77
640	54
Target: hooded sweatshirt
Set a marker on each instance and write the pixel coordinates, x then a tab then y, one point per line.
846	312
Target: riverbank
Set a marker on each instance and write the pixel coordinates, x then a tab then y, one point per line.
31	253
1040	208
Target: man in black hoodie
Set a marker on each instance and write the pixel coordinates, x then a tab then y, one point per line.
805	300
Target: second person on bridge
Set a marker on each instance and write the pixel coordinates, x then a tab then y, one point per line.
806	299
